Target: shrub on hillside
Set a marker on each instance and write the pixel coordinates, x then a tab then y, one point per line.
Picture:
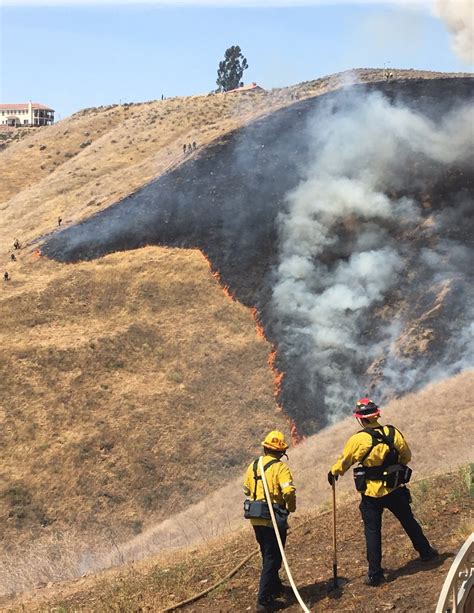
21	506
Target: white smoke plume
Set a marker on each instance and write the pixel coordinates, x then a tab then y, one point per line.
459	18
340	248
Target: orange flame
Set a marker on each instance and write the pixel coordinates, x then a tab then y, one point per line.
296	437
37	253
278	376
259	329
217	277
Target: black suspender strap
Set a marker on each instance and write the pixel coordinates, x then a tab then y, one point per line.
378	436
257	477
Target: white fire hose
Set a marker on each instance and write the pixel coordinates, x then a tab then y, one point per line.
277	534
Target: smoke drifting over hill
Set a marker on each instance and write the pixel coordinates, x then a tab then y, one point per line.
346	220
459	18
342	253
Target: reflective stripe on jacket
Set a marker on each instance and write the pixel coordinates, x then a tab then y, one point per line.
280	485
359	444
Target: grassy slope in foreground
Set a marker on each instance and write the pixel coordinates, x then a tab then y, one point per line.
437	440
442	506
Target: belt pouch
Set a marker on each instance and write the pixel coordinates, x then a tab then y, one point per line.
281	516
256	509
360	479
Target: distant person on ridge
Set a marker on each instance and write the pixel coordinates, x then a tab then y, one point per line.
283	498
383	455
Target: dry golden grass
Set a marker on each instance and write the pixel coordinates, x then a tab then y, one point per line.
130	388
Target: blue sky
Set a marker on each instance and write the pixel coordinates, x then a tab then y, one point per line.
70	56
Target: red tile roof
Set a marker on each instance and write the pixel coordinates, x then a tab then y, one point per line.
23	106
246	88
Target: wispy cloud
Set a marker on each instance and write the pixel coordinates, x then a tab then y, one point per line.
219	3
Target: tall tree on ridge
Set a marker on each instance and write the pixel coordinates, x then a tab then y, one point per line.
231	69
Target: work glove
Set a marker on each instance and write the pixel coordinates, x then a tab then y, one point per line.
332	478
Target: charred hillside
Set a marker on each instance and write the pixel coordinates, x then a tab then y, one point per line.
345	219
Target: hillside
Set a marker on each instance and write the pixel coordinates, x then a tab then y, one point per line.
412	586
316	242
88	161
131	385
113	373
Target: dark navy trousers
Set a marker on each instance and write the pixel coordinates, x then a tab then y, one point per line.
270	582
398	502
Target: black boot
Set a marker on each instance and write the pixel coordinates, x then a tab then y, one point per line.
374	580
269	606
429	555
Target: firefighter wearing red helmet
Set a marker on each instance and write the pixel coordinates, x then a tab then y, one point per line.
283	499
382	454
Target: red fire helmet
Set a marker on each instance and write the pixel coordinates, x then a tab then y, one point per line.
366	408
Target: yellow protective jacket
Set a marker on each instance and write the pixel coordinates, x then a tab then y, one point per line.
359	444
280	485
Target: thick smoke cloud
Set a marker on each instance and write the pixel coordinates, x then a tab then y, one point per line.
343	257
459	18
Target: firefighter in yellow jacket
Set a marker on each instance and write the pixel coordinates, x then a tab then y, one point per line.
283	500
383	455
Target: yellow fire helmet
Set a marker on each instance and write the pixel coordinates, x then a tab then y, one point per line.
275	440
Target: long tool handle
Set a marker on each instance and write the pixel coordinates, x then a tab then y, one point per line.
334	539
277	534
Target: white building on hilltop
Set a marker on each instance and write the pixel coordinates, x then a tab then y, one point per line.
27	114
